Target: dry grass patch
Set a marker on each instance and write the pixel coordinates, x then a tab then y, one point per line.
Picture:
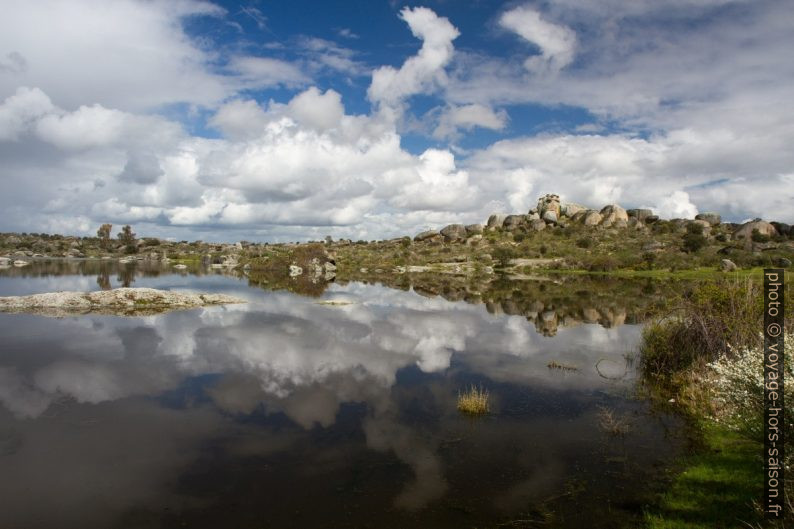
561	366
474	401
611	423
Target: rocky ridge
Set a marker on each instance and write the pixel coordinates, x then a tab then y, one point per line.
550	212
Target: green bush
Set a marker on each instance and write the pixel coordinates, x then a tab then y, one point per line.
602	263
503	254
693	242
704	324
584	242
757	236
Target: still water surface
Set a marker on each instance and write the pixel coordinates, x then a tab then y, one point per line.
283	412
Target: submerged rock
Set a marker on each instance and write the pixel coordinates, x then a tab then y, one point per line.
120	301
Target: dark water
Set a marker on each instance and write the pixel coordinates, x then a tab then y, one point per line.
283	412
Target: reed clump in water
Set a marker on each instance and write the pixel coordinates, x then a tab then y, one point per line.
474	401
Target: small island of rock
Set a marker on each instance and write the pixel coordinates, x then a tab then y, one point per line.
120	302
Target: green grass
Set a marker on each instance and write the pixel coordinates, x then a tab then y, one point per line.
694	273
715	487
184	259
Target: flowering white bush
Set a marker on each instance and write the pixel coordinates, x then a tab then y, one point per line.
737	387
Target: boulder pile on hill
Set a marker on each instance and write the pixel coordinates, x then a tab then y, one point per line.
550	212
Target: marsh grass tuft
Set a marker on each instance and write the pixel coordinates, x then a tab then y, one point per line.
611	423
474	400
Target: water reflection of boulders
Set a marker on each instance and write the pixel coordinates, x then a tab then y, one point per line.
548	302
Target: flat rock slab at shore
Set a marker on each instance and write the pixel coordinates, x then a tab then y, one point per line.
118	302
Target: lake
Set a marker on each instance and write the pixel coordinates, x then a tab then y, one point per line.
287	412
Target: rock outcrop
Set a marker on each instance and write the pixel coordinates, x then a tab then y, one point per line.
569	209
513	222
454	232
425	235
549	203
496	221
474	229
613	213
120	301
745	231
712	218
591	217
639	214
551	213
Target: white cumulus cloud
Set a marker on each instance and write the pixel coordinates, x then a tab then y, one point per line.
423	72
557	43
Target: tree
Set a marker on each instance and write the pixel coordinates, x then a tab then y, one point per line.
694	239
127	238
104	235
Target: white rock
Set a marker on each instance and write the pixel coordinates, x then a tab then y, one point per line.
123	301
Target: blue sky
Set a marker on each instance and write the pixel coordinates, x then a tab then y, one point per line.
290	121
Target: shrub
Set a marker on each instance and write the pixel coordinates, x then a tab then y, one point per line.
503	254
584	242
694	228
694	241
127	238
705	323
737	385
757	236
602	263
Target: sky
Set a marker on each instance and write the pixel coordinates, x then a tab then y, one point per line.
277	121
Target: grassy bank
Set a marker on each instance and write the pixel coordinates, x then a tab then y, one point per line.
715	485
699	273
705	353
